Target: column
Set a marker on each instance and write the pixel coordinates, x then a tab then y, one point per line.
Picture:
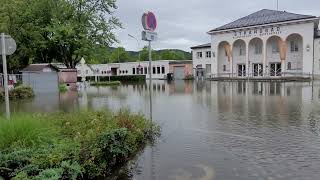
264	61
247	59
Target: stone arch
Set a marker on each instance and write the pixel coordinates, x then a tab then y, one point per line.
294	61
275	55
239	57
256	56
224	57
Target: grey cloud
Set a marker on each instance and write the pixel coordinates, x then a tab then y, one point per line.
184	23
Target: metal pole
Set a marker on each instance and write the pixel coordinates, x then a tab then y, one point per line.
5	76
150	79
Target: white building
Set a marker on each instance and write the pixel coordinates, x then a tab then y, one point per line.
180	69
265	44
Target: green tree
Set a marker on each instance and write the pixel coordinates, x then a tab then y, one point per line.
144	54
57	30
119	55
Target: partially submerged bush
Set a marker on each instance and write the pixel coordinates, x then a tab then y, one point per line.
63	87
106	83
21	92
80	145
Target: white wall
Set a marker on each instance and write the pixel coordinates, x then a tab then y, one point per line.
204	60
102	69
305	29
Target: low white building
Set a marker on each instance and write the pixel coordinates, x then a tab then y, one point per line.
265	44
179	68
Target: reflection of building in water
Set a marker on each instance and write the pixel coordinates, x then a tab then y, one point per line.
284	103
163	87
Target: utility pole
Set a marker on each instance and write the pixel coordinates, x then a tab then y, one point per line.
8	47
277	5
5	74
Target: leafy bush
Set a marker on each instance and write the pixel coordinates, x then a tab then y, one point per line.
21	92
189	77
79	145
63	87
106	83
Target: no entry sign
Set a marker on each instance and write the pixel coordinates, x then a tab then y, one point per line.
149	21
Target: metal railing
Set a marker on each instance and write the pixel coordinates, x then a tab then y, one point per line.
12	79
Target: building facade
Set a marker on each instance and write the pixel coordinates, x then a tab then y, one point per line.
180	69
267	43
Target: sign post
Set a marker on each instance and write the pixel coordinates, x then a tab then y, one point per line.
8	47
149	23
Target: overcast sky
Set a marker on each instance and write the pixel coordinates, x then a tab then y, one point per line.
184	23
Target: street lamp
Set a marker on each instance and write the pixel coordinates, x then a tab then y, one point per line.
137	43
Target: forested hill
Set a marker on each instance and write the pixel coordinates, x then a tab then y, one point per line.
163	54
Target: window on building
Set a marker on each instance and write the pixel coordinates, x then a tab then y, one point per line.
294	47
145	70
275	48
289	66
154	70
241	50
226	52
224	68
138	71
87	71
208	54
258	49
133	70
158	70
163	71
199	55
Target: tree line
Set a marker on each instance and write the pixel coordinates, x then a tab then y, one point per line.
114	55
64	31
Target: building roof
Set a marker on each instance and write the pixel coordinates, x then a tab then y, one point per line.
38	67
207	45
264	16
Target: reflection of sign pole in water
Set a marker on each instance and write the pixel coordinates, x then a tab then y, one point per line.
83	72
8	47
149	23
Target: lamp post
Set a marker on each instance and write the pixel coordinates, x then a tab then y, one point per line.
137	43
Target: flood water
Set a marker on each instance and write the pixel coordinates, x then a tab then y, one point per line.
213	130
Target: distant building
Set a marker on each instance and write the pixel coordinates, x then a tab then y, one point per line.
45	78
267	43
160	69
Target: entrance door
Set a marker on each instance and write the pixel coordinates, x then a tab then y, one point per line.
275	69
257	70
179	73
241	70
114	71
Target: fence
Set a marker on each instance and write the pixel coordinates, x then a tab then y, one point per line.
12	79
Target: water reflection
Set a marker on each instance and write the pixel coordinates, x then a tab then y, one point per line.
220	130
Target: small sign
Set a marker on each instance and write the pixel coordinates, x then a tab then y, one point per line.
149	21
149	36
10	45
